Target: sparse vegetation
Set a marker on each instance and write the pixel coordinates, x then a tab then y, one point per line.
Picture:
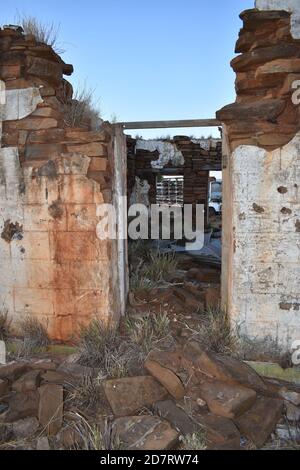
195	441
35	336
146	333
94	437
154	268
45	33
215	332
100	346
161	266
86	393
4	325
80	111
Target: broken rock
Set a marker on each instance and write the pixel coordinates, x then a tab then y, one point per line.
3	387
226	400
21	405
259	422
25	428
292	412
128	395
51	408
13	370
28	382
291	396
224	368
176	416
167	378
145	433
42	444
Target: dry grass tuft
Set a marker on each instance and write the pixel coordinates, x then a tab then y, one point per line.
80	110
45	33
4	325
95	437
215	332
153	269
87	393
35	336
195	441
147	333
100	346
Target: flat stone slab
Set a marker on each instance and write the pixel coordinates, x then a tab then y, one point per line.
127	396
224	368
221	433
259	422
51	408
145	433
176	416
229	401
166	378
21	406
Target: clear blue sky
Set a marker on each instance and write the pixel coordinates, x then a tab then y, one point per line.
147	59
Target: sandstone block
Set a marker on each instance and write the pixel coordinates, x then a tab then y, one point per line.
94	149
145	433
258	423
167	378
28	382
229	401
128	395
51	408
21	406
178	418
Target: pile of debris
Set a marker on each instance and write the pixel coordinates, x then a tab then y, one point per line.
179	393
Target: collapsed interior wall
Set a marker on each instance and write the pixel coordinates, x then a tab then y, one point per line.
52	179
191	158
261	203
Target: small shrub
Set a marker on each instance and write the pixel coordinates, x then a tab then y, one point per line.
45	33
80	111
195	441
215	333
35	336
100	346
4	325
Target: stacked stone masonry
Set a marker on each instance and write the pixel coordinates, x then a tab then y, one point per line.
261	244
199	157
52	178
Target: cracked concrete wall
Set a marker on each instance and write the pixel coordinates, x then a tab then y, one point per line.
261	205
265	295
52	179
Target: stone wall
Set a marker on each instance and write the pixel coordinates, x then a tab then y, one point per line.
261	242
192	158
52	178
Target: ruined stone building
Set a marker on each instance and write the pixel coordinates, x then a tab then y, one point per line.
53	176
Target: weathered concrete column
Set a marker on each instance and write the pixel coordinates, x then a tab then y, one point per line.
261	245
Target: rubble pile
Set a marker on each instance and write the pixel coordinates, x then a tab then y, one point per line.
178	393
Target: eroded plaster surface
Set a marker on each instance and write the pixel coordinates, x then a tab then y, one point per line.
289	5
168	152
265	295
